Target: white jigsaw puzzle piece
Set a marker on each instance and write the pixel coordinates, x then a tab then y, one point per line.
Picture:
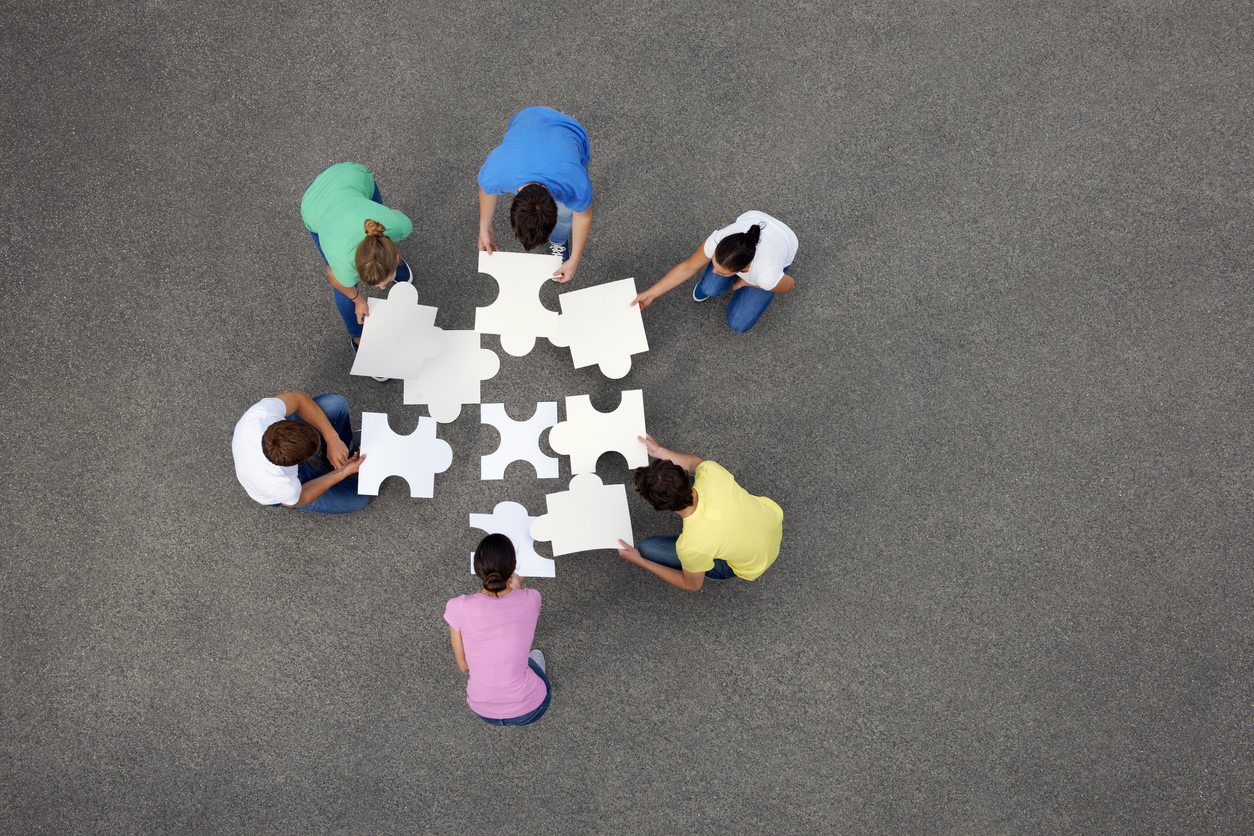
512	520
520	441
416	457
602	327
588	516
452	377
517	315
398	335
587	433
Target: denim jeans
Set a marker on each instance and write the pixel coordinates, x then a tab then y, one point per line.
531	716
342	497
346	306
747	304
662	550
565	221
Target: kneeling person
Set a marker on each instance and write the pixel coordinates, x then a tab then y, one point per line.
272	453
728	532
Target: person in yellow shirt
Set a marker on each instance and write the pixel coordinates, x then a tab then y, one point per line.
728	532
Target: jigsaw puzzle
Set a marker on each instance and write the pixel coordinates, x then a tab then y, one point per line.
517	315
588	516
512	520
520	440
416	457
587	433
398	335
601	326
452	377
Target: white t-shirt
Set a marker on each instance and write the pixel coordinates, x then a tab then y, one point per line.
776	248
265	481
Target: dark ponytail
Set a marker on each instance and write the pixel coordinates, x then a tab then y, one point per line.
736	251
494	562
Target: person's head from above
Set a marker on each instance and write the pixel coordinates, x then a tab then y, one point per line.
377	256
286	443
533	214
494	562
735	252
664	485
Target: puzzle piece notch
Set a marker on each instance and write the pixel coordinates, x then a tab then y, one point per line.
517	315
520	441
416	457
586	517
512	520
398	335
587	433
453	377
601	326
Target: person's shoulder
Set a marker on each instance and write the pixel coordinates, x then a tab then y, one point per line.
709	467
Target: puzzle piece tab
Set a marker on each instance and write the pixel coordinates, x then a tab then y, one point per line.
588	516
398	335
452	377
601	326
520	441
512	520
517	315
587	433
416	457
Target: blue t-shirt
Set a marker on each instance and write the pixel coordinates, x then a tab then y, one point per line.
541	146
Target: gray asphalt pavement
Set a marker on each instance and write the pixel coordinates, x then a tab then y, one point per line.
1006	411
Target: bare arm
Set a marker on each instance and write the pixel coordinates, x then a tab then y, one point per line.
688	462
580	224
487	208
677	275
458	650
315	488
681	578
354	293
784	285
307	409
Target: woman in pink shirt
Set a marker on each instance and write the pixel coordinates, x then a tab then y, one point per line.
491	632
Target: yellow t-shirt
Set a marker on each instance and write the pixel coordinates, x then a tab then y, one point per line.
729	523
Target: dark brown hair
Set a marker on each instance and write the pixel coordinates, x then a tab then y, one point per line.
286	443
736	251
494	562
533	215
664	485
376	255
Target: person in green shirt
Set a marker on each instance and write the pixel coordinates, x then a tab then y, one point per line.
356	236
728	532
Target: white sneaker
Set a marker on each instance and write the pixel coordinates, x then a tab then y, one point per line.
538	657
380	379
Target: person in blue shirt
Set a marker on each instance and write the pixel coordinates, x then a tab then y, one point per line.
543	161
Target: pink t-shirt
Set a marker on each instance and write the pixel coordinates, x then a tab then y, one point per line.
496	635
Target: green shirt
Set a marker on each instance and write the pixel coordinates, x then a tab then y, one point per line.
729	523
336	207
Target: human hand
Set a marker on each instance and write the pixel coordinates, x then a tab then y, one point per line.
565	273
337	452
645	299
515	581
351	465
487	242
739	283
629	553
651	447
362	306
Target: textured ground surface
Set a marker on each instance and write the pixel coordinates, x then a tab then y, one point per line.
1007	412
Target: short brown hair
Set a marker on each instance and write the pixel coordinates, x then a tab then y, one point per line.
664	485
533	214
286	443
376	255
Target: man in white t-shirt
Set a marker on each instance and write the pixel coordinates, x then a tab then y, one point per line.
274	442
750	256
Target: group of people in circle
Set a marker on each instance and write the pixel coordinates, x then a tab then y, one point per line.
299	452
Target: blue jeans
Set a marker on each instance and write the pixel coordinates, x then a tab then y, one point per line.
565	222
346	306
747	304
342	497
662	550
531	716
